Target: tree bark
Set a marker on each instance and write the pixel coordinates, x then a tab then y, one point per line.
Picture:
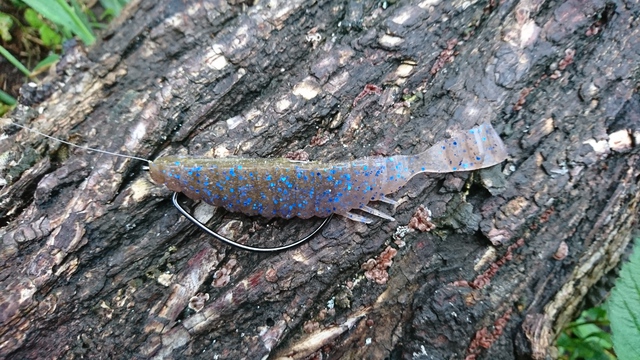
97	263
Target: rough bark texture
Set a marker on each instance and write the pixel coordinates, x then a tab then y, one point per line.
95	261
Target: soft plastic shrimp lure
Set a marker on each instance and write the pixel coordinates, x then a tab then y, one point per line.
286	188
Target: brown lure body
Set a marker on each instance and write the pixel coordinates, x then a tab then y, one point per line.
285	188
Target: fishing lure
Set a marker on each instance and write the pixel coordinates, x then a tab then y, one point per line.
286	188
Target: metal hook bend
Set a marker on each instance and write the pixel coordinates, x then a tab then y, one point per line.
230	242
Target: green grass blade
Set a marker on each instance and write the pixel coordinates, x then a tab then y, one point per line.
60	13
113	6
81	25
46	62
7	99
76	11
624	309
15	62
52	11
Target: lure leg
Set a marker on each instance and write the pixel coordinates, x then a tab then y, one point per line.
387	200
358	218
377	213
228	241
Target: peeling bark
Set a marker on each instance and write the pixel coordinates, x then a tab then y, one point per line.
97	263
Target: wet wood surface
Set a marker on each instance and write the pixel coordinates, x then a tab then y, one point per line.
96	262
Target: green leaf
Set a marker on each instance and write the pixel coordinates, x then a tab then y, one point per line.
17	3
6	22
107	15
592	333
624	309
597	314
52	11
112	7
585	338
49	37
60	13
33	19
46	62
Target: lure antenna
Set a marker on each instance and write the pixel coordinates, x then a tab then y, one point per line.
79	146
230	242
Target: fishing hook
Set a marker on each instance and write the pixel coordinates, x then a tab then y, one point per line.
230	242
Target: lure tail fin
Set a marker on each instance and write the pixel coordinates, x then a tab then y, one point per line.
465	150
